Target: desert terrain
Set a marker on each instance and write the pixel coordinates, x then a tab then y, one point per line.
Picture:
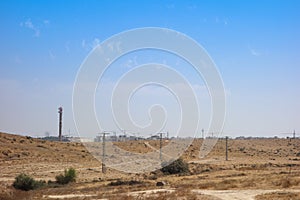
256	169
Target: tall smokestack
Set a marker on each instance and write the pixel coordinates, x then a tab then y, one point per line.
60	111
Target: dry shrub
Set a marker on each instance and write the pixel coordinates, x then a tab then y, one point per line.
286	182
179	166
202	168
155	175
120	182
13	194
278	196
248	183
206	185
226	184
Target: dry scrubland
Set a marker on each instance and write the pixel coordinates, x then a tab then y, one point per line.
254	165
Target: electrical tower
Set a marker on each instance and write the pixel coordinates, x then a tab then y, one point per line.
60	111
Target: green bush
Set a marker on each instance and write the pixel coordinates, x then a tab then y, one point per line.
25	182
69	176
177	167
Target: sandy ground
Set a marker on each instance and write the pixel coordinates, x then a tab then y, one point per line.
240	194
219	194
255	167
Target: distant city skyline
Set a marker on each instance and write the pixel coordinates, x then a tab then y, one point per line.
255	46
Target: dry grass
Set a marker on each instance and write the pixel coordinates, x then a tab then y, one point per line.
253	164
279	196
286	182
13	194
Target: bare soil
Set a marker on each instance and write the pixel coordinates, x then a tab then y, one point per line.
271	165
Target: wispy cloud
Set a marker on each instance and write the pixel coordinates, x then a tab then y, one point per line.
51	55
88	45
253	51
96	42
223	21
46	22
34	27
131	62
28	24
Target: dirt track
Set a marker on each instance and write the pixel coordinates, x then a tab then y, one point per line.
220	194
239	194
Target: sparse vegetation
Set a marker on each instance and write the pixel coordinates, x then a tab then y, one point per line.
120	182
278	196
241	172
25	182
179	166
69	176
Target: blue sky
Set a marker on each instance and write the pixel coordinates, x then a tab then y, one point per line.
255	45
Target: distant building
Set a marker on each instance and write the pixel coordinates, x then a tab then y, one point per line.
79	139
154	137
55	138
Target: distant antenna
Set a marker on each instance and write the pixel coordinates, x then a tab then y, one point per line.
60	111
294	134
47	134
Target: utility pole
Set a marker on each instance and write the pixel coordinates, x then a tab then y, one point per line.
160	146
202	133
124	133
115	136
103	152
226	148
294	134
60	111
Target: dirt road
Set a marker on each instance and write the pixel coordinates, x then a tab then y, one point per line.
238	194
